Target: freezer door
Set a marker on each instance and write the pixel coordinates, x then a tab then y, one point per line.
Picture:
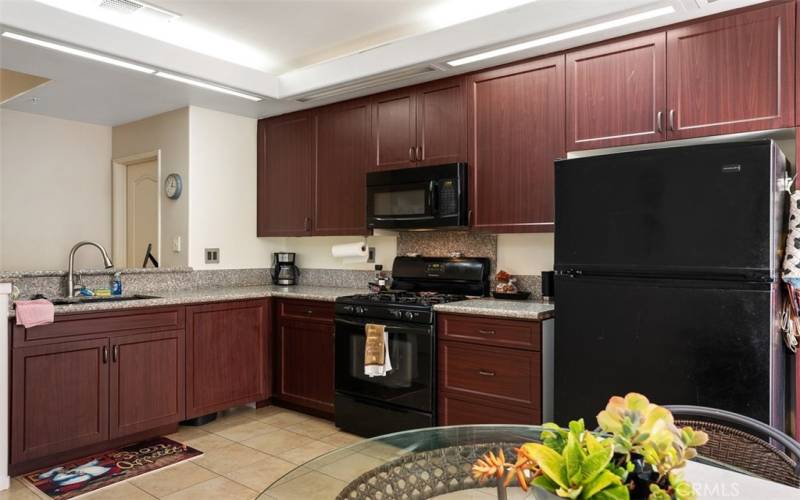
677	343
712	210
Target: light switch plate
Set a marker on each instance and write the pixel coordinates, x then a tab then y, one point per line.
176	244
212	255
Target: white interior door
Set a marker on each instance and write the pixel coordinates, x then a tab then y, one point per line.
141	211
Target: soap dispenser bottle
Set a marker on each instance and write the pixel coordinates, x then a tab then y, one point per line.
116	285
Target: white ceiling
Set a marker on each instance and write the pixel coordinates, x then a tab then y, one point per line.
306	46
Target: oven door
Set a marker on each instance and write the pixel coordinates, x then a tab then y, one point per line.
410	383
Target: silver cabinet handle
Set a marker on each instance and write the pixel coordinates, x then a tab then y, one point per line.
307	224
411	153
659	122
105	354
115	353
486	332
486	373
309	312
672	119
419	153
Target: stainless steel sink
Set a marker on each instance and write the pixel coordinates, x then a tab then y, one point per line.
67	301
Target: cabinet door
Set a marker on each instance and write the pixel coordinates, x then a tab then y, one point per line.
516	131
227	350
305	363
441	123
393	130
343	139
732	74
59	398
147	382
616	93
286	175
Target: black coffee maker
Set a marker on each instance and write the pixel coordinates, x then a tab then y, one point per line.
284	272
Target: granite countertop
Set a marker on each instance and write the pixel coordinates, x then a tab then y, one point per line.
203	295
517	309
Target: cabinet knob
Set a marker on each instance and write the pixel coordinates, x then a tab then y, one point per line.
411	153
419	153
309	312
660	122
486	332
115	353
672	119
105	354
486	373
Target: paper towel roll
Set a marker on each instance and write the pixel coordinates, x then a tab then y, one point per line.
351	252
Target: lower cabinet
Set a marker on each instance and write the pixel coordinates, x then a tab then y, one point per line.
489	371
227	349
59	398
147	382
305	360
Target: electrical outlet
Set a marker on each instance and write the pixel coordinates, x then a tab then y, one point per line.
371	255
212	255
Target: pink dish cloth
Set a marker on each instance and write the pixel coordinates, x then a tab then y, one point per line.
32	313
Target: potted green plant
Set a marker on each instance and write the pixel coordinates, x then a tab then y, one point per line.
638	455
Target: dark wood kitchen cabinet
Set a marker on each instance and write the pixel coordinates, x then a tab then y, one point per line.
516	131
343	142
227	355
147	382
285	177
489	370
419	126
304	364
732	74
616	93
59	398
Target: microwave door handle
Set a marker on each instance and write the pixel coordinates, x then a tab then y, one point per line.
433	188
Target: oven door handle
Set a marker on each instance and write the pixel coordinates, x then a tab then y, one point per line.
422	330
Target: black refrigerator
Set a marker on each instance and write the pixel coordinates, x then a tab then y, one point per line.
668	279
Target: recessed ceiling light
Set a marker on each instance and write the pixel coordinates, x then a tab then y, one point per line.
538	42
206	85
77	52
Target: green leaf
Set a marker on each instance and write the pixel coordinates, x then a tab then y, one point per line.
605	479
545	482
569	492
614	493
594	464
657	493
573	458
549	461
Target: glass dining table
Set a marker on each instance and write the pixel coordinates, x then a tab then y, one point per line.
436	462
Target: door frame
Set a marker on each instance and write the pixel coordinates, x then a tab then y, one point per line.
119	200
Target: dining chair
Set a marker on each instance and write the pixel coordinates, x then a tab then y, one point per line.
743	442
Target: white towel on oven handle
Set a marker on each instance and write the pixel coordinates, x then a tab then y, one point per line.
381	370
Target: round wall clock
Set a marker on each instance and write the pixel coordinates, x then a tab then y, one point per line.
173	186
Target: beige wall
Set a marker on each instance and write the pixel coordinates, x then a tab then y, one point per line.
168	132
55	190
222	207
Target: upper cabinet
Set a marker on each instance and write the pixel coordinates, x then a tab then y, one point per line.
732	74
516	129
343	138
616	93
417	126
286	154
311	171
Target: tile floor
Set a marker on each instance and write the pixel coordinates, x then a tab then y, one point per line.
246	449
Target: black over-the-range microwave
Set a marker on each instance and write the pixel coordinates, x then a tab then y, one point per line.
418	197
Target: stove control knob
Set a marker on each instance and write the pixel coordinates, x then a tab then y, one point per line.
409	315
348	309
396	314
359	310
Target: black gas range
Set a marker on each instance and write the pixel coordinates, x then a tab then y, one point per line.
405	398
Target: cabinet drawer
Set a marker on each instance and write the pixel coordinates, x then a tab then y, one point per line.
306	309
455	410
503	375
490	331
103	323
